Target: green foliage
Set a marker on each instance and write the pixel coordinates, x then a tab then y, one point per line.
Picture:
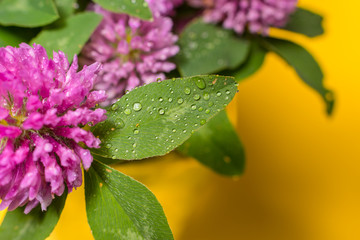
206	48
217	146
136	8
156	118
27	13
252	64
304	64
13	36
70	37
118	207
36	225
305	22
65	7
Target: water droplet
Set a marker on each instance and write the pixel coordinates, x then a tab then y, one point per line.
113	157
116	149
211	104
137	107
120	123
218	94
207	111
134	145
114	107
170	99
172	140
202	121
200	83
161	111
161	99
136	131
184	131
187	91
196	97
201	109
127	111
227	92
108	145
174	130
180	101
206	96
193	107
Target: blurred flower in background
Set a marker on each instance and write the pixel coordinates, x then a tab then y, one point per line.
133	51
257	15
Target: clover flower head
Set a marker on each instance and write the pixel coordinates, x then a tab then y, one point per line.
44	103
133	51
255	15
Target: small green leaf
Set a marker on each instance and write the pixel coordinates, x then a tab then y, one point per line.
206	48
252	65
305	22
118	207
304	64
71	37
65	7
36	225
13	36
217	146
156	118
136	8
27	13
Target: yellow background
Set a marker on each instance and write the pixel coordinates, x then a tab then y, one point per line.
302	179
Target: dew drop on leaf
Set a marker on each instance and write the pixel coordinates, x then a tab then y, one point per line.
196	97
161	111
127	111
200	83
206	96
187	91
180	101
120	123
137	107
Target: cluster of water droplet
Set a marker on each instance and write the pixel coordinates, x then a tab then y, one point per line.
179	114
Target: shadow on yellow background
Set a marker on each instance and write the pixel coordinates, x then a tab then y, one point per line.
303	168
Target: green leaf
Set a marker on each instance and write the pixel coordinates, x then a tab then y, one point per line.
65	7
305	22
304	64
13	36
71	37
27	13
252	65
217	146
36	225
136	8
158	117
118	207
206	48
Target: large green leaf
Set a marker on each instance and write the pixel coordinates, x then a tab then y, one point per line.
156	118
118	207
217	146
304	64
13	36
71	37
136	8
36	225
206	48
305	22
252	64
27	13
65	7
